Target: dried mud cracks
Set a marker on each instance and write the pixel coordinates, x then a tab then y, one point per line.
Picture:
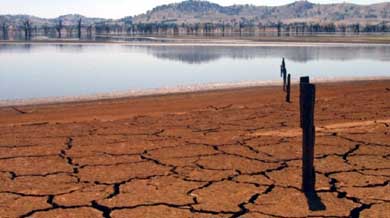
220	161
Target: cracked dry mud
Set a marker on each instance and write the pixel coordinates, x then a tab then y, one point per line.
229	153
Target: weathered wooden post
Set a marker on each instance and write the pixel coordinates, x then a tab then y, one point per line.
281	71
288	89
307	98
303	80
284	79
282	67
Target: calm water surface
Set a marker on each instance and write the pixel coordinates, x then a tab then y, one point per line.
40	71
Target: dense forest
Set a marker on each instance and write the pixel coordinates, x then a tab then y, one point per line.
208	19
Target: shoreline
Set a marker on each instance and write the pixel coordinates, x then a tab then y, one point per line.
191	40
212	151
200	44
172	91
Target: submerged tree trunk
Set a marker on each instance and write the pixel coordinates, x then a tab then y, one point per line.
5	31
79	28
27	30
59	28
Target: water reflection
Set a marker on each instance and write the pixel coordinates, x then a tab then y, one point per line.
204	54
52	70
22	48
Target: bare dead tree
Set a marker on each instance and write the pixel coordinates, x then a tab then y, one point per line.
240	25
79	28
223	28
27	30
4	27
59	28
89	30
46	29
279	26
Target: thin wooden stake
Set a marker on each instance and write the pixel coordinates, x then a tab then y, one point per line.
281	71
284	79
282	68
288	95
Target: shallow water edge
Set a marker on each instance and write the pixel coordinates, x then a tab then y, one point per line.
173	90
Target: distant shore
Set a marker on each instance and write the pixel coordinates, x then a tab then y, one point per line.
177	40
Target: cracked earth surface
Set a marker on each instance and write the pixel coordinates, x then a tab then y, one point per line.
232	153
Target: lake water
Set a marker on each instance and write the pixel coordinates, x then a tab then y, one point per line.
56	70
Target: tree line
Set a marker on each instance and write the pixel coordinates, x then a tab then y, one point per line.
79	30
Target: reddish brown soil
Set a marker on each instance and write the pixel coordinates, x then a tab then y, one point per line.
229	153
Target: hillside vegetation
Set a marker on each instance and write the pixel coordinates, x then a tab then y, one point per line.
193	11
203	17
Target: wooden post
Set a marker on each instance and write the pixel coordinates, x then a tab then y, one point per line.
308	92
284	79
303	80
282	68
281	71
288	95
